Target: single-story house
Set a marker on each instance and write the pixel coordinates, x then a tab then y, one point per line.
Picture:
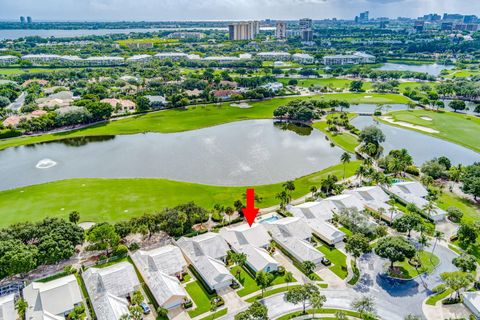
120	105
225	94
252	241
375	199
293	234
7	307
13	121
207	253
109	288
414	192
160	268
157	101
53	299
316	215
472	301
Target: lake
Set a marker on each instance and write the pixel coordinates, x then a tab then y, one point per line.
371	108
420	146
432	69
240	153
58	33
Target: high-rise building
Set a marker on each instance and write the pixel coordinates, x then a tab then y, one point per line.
243	30
22	20
305	23
306	31
447	26
364	16
29	20
281	30
470	19
455	16
419	25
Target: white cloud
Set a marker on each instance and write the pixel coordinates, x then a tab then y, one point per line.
225	9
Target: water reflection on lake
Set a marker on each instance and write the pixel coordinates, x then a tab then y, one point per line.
240	153
421	146
432	69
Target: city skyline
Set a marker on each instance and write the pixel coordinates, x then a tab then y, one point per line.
210	10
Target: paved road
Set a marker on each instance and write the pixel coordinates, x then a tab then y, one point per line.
394	299
18	103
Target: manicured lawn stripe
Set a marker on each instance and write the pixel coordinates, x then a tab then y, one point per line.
200	297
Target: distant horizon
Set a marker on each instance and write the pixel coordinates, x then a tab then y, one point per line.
223	10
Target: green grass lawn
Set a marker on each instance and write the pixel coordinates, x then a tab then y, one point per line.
432	300
272	292
471	211
114	200
200	297
458	128
427	266
248	282
13	71
344	140
338	259
195	117
349	313
216	315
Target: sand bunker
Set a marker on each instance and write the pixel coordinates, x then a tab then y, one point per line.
242	105
409	125
367	97
426	118
45	164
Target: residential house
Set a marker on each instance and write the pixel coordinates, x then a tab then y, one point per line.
157	101
414	192
317	219
109	288
7	307
120	105
6	60
225	94
356	58
293	234
139	58
207	254
303	58
472	301
104	61
171	55
54	299
375	199
274	56
253	242
161	269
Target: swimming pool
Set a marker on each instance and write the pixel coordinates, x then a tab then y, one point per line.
269	219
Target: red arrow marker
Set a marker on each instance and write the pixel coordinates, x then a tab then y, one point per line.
250	212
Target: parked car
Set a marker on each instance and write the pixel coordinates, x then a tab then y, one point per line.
145	308
326	262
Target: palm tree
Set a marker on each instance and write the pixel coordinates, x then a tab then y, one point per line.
317	301
21	306
345	158
229	212
361	172
438	236
289	186
313	190
288	278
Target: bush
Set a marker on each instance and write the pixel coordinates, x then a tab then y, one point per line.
413	170
439	289
134	246
451	301
377	113
121	250
281	270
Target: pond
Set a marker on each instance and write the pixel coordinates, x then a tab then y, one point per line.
240	153
432	69
371	108
421	147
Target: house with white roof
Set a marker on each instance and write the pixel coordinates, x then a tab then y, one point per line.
207	253
472	301
375	199
274	56
293	234
316	215
7	307
109	288
414	192
171	55
53	299
160	268
7	59
303	58
253	242
139	58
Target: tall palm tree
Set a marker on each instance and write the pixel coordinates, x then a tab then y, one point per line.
345	158
438	235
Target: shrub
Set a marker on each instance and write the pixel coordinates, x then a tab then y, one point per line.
439	289
413	170
121	250
134	246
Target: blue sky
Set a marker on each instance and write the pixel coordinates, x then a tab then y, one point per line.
156	10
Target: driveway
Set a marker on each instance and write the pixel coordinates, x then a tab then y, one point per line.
394	299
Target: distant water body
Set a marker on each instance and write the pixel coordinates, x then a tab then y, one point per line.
57	33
